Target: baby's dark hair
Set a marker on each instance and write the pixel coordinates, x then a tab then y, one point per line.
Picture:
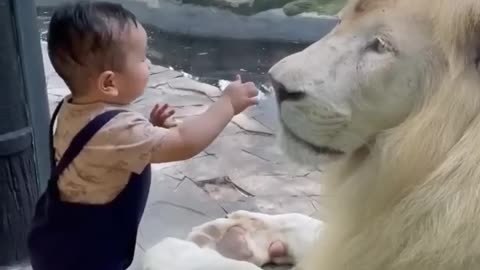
86	36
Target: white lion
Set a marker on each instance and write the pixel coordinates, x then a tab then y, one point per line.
392	97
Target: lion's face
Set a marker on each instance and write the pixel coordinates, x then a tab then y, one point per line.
364	77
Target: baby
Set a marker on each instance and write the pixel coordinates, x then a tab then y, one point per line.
101	153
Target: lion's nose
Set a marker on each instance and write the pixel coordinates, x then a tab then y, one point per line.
284	94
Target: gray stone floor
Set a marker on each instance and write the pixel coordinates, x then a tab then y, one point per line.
242	169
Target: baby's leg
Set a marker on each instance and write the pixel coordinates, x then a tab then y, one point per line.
259	238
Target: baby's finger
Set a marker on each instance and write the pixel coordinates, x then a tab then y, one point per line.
238	78
169	113
159	114
252	101
162	109
153	112
250	84
252	91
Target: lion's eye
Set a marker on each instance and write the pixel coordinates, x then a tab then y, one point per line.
379	45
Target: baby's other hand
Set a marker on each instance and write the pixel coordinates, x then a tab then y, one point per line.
161	116
241	95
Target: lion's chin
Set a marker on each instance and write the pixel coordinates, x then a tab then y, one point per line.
303	152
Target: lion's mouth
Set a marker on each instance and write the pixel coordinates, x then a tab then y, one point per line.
322	150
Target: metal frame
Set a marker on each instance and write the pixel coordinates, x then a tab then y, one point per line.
24	118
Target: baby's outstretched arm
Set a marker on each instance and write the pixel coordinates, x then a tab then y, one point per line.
191	137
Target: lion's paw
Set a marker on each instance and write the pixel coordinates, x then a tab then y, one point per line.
232	238
258	238
176	254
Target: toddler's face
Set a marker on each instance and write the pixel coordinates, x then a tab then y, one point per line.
133	78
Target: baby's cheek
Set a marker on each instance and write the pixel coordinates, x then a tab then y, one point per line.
144	74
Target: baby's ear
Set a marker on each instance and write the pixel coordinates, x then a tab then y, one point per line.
106	83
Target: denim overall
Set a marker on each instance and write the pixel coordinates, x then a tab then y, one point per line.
75	236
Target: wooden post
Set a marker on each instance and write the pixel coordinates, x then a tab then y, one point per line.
24	116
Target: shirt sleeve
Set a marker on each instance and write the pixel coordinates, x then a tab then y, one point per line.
126	142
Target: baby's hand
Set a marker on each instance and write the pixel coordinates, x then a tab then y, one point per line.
161	116
241	95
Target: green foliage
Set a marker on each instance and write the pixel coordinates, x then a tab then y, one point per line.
299	6
242	9
290	7
328	7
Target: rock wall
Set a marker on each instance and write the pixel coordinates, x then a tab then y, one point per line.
220	22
